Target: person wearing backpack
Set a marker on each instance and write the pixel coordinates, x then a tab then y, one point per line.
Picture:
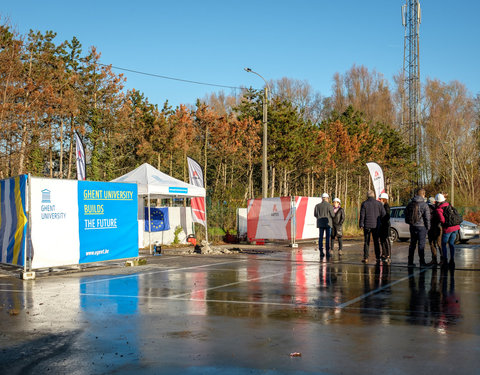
450	220
417	215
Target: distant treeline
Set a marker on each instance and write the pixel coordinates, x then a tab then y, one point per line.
50	89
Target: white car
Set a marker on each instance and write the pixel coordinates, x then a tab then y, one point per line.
401	231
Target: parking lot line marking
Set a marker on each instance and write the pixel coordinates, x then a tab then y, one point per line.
160	271
225	285
359	298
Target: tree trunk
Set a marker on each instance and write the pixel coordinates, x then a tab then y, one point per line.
60	173
272	194
336	182
50	157
70	150
359	192
184	164
346	190
313	184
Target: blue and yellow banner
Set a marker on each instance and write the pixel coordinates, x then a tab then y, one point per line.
13	220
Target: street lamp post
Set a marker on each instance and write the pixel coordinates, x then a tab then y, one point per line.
264	158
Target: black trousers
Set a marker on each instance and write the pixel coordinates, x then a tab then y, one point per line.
339	237
417	235
386	246
367	234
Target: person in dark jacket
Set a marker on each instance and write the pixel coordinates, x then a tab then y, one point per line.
417	215
385	230
434	232
324	214
449	233
371	213
337	229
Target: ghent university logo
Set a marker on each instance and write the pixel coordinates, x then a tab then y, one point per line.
46	196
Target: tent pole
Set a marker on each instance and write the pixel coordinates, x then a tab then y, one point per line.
149	225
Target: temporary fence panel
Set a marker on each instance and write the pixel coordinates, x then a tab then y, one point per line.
108	221
75	222
13	220
54	222
268	218
306	223
176	217
283	218
241	222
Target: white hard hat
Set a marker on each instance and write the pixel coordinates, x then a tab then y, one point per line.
337	200
325	195
384	196
439	198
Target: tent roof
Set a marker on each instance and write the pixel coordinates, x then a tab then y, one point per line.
156	183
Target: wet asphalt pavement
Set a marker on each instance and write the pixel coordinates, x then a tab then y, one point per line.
246	314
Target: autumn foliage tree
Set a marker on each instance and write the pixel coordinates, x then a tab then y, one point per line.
316	144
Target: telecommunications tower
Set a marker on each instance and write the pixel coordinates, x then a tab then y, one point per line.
411	18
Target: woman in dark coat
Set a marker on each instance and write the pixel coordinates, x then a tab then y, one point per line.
385	230
337	221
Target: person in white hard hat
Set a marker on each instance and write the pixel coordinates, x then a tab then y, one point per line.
337	229
324	214
385	230
449	230
435	232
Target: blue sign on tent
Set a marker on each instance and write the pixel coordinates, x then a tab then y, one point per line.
177	190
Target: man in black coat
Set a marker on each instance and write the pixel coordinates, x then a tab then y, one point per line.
324	214
417	215
371	214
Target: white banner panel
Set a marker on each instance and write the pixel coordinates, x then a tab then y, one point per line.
273	218
304	217
269	218
54	224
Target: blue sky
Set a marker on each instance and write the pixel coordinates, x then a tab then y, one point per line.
212	41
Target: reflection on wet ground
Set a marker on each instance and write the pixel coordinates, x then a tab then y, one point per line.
246	314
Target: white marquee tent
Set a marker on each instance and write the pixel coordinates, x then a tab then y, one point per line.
152	183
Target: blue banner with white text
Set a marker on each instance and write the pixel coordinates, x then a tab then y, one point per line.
108	226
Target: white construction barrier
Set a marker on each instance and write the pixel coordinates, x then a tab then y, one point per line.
283	218
69	222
